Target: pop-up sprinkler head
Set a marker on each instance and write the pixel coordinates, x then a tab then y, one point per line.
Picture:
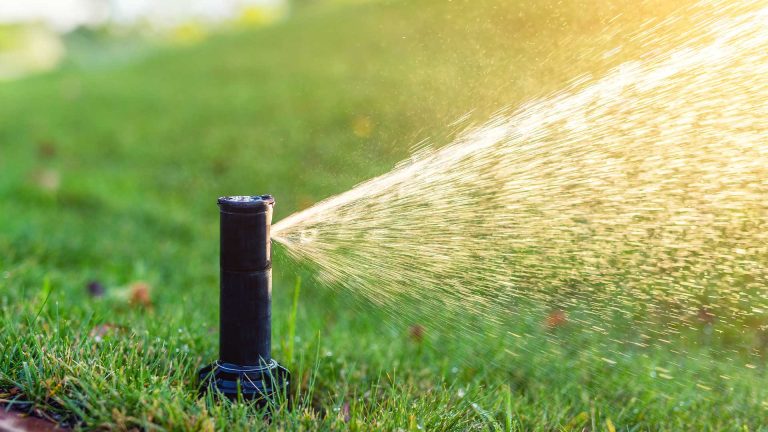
245	365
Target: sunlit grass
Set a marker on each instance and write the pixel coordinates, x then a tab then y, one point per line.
304	110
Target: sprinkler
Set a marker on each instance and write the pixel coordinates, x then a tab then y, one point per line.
245	366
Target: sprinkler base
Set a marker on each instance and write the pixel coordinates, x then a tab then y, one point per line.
263	384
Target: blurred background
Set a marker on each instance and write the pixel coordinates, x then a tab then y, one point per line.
38	35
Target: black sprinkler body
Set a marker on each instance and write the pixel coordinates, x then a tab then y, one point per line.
245	365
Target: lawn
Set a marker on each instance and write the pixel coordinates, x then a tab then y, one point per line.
110	175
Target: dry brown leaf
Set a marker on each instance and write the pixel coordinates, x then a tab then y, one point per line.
140	294
556	318
416	333
11	420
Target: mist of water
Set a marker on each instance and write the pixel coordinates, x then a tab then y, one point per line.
641	195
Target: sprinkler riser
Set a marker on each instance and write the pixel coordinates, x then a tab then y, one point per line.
245	367
245	318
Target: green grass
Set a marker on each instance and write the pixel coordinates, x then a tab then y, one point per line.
143	150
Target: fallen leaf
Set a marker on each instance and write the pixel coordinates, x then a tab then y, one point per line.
556	318
140	295
11	420
416	333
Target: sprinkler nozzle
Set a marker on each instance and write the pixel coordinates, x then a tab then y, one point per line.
245	366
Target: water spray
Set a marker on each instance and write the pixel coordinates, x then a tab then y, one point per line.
633	200
245	365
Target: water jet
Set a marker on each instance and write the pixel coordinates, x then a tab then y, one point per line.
245	367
